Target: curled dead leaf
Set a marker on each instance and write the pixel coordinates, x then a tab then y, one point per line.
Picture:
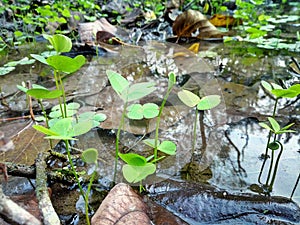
193	23
122	206
224	21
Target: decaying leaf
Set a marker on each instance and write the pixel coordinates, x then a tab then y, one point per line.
224	21
28	143
88	31
192	21
122	206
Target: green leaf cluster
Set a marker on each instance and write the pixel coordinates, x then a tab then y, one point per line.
275	89
275	127
138	111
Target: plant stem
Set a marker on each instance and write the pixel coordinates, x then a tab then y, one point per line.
117	141
268	142
77	178
64	95
58	88
276	166
271	163
46	119
158	120
195	132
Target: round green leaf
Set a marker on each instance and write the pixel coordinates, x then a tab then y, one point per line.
135	174
73	105
273	146
135	112
209	102
100	117
188	98
66	64
150	110
167	147
90	155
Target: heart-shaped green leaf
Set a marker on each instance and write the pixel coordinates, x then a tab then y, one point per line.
135	174
151	110
90	155
167	147
66	64
135	112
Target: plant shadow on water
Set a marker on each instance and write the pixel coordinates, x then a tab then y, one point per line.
229	142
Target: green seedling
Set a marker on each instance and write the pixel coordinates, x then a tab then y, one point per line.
127	93
137	167
61	64
274	129
65	125
191	100
90	157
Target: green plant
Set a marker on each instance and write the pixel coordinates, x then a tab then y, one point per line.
275	129
205	103
127	93
137	167
65	125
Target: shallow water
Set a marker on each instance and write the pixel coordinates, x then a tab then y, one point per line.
229	140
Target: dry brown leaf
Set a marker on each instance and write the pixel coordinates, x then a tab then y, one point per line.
88	31
28	143
224	21
122	206
192	21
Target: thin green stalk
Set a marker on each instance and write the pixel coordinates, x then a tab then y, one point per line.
276	166
58	88
158	121
271	163
117	141
46	119
88	193
63	94
195	132
77	178
268	142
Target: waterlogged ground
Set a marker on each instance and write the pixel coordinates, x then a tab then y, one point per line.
229	141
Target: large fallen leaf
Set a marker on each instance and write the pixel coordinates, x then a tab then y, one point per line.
122	206
28	143
192	21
